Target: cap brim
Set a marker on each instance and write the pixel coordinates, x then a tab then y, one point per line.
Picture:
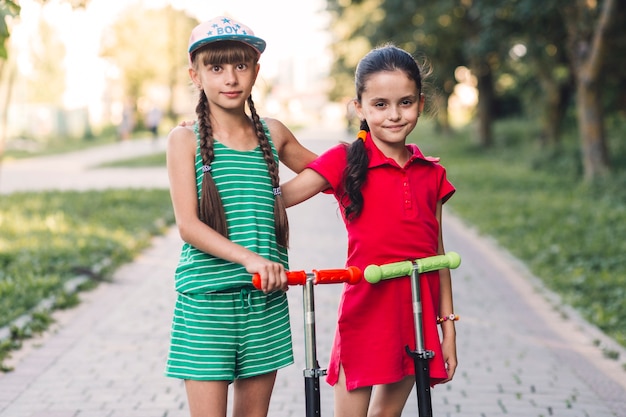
253	41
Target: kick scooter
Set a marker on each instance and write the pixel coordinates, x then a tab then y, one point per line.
374	273
312	372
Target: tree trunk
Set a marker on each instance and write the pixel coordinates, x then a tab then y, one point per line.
443	116
595	155
587	57
6	100
3	118
486	95
556	97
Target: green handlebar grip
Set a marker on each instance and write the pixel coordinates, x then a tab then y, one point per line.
450	260
375	273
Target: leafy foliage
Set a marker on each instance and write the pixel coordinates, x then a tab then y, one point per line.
146	46
8	9
526	57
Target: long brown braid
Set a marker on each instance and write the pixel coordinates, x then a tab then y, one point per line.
211	209
281	222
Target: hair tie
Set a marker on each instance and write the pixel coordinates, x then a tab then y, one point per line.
206	168
362	135
276	191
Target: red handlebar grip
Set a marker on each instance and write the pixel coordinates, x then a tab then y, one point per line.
296	277
351	275
293	278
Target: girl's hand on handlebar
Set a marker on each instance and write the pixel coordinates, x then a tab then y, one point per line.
272	274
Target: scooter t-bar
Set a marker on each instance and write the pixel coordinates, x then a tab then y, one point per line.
375	273
350	275
312	372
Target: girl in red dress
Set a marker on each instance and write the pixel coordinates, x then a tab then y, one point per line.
391	198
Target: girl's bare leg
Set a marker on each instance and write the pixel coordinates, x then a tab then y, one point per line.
252	395
350	403
389	400
207	398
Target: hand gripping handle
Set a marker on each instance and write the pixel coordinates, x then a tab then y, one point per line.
293	278
351	275
375	273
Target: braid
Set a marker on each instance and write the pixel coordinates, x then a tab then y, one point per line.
354	177
210	208
281	221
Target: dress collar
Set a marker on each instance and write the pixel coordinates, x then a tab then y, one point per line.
377	158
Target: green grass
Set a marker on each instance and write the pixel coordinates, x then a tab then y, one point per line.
48	238
533	203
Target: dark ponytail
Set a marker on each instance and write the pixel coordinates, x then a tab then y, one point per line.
383	58
354	176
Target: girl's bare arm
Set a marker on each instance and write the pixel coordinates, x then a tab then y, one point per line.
446	307
302	187
181	149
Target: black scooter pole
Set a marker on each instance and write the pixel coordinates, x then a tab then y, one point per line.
420	355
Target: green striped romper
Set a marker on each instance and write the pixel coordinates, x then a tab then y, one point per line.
223	328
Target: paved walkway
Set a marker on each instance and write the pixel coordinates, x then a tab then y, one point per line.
520	353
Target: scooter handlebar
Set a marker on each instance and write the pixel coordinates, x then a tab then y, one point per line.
376	273
293	278
351	275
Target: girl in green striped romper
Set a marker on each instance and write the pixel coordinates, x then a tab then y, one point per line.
225	191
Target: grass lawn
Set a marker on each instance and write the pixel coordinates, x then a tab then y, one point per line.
49	238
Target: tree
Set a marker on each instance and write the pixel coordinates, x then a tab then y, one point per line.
47	83
432	32
8	10
544	68
408	26
147	49
587	25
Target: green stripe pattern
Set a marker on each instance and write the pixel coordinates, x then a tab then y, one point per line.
223	328
245	187
229	335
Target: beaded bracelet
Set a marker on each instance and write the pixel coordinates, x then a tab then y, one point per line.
451	317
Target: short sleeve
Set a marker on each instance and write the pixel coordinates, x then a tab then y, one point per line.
331	165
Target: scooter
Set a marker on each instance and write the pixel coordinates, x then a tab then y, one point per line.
313	372
375	273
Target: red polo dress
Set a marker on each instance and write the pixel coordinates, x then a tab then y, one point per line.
398	223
